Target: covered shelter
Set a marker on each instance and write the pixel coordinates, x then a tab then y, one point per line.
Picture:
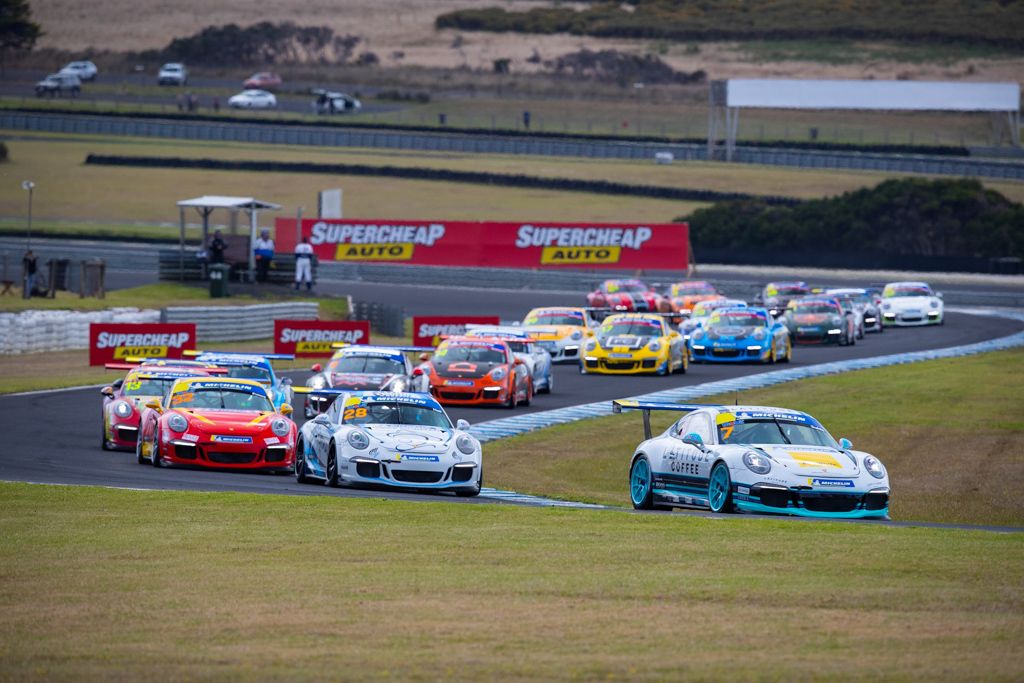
1000	100
207	204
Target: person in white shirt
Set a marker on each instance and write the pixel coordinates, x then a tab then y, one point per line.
304	264
264	250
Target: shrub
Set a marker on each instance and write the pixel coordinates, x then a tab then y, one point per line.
263	43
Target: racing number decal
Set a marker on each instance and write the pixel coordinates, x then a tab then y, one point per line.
182	397
134	385
354	413
727	431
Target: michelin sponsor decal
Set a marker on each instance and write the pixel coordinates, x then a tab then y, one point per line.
224	438
375	241
560	245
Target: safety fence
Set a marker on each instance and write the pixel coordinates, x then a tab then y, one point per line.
521	424
237	323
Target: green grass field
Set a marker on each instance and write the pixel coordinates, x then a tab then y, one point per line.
953	441
122	585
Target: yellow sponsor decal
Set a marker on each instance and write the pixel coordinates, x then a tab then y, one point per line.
401	251
352	401
725	418
314	347
813	459
122	352
559	255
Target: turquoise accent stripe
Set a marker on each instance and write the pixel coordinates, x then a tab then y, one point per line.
747	506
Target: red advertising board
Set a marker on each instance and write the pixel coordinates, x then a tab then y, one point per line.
109	342
427	330
493	244
312	338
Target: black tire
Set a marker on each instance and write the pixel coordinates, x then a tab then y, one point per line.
103	439
641	492
331	476
529	393
300	463
154	451
510	403
138	448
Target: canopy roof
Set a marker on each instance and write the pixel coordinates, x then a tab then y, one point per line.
877	95
221	202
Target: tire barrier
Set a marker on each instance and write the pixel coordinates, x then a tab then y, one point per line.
520	424
239	323
43	330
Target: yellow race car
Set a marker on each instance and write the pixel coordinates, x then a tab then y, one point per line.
635	343
561	330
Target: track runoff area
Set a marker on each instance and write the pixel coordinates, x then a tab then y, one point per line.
64	446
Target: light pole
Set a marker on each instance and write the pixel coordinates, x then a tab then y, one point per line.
28	185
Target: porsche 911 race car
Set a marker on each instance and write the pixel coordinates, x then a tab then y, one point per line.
753	459
255	366
125	399
776	295
737	335
388	439
820	320
701	314
359	367
910	304
479	371
217	422
682	296
562	330
538	361
864	302
635	343
628	295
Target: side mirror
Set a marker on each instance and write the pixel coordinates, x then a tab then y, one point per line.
417	372
286	380
424	357
462	424
845	444
938	294
286	409
694	439
108	392
322	419
154	404
117	384
316	367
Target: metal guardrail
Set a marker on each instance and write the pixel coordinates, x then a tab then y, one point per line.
520	424
237	323
267	133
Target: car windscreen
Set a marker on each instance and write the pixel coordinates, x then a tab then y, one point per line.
737	319
221	399
370	365
814	309
146	387
786	291
638	328
906	291
774	432
690	290
624	286
378	412
553	318
250	372
476	353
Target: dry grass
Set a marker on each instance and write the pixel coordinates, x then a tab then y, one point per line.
122	585
953	443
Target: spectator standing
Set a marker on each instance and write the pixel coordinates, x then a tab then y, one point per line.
217	247
28	269
264	251
304	264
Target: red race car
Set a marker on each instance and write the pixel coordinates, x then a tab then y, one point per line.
125	399
217	422
264	80
479	371
628	295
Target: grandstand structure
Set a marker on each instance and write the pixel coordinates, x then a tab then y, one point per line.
1001	101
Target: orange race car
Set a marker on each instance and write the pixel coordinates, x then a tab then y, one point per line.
685	295
479	371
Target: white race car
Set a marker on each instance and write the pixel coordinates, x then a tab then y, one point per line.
563	330
537	360
753	459
388	439
911	303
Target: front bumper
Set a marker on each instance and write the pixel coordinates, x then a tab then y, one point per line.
215	455
122	435
562	350
802	502
603	363
822	335
477	394
740	353
904	319
443	474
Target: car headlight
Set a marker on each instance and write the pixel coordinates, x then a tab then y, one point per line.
836	320
886	307
466	444
576	335
591	345
122	409
357	440
874	467
757	463
280	427
654	345
316	382
497	374
177	423
759	335
935	303
698	334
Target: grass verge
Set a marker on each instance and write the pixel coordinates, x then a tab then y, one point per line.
120	585
950	432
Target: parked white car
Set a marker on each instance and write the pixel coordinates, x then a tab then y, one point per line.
58	85
85	70
331	102
753	459
253	99
172	73
911	303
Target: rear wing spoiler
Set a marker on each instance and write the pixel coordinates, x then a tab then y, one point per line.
268	356
646	407
133	363
403	349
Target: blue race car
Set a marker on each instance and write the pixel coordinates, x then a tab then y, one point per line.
736	335
255	366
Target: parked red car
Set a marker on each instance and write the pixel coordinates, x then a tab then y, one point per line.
264	80
628	295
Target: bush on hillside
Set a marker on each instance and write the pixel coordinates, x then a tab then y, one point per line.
620	67
260	44
909	217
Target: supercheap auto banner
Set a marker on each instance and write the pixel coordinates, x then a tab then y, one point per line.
428	330
312	338
492	244
109	342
